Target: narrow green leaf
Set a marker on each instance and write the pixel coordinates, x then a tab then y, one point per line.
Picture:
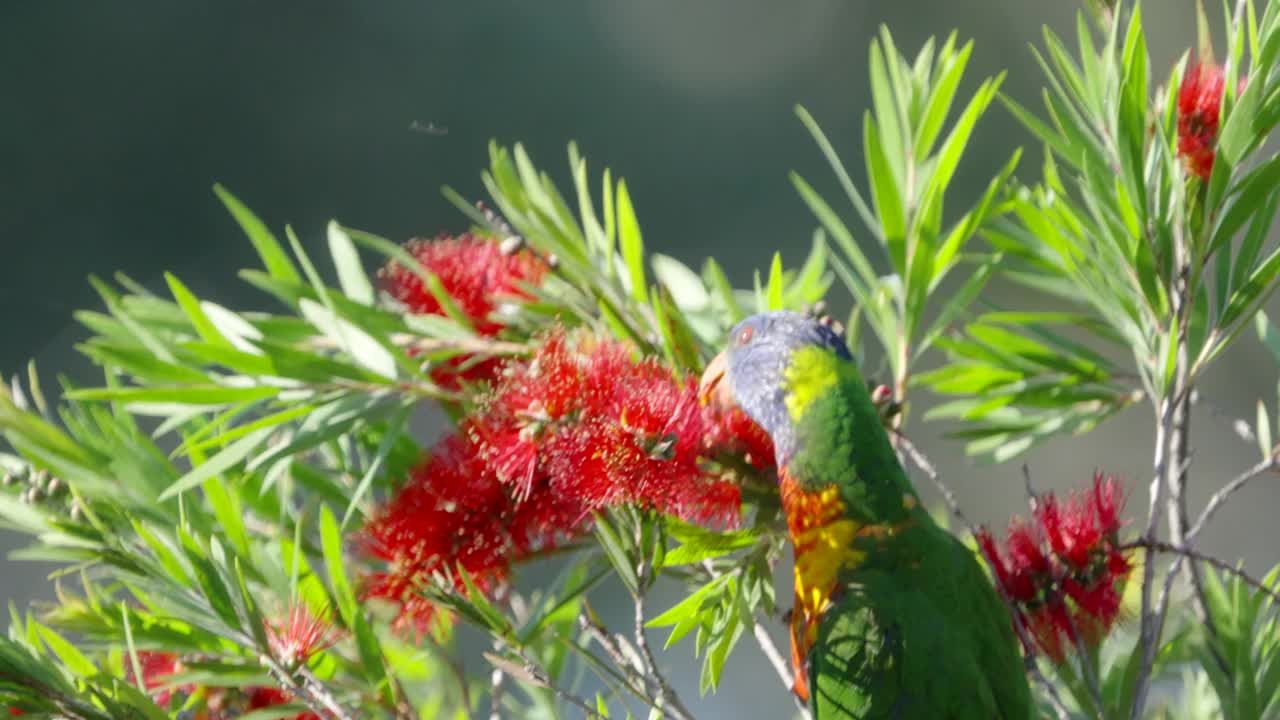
773	291
273	255
346	260
885	195
331	547
185	394
365	351
632	244
391	433
191	306
67	652
939	104
224	460
686	288
837	165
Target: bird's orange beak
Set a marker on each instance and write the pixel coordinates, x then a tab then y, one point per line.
714	388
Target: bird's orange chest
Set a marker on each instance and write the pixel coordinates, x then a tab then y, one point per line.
822	536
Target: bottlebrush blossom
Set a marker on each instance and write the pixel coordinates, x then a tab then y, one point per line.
259	698
477	275
580	426
734	432
451	512
299	635
1064	570
156	667
586	422
1199	106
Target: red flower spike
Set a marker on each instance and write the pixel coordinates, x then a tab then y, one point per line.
259	698
1064	571
156	667
449	513
1199	107
473	270
580	426
736	433
476	275
299	636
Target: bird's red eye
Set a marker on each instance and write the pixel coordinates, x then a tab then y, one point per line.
744	336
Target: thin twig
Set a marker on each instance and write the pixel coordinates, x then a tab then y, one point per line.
314	693
1186	552
671	701
495	688
410	341
1028	659
770	651
928	469
1149	633
530	672
1225	492
1179	519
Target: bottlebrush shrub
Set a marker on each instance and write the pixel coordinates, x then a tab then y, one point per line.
246	524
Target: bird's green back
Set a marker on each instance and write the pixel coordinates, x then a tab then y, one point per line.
914	628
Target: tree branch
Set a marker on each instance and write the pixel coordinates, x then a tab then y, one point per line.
1225	492
648	665
1187	552
1149	632
531	673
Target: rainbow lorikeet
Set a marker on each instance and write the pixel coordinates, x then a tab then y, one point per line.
893	617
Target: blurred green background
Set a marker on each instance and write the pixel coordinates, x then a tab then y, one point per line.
115	119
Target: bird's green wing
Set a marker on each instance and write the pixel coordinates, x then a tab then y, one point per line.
928	640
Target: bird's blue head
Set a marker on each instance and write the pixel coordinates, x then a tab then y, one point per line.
776	364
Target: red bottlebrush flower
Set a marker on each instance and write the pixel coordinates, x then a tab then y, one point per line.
449	513
580	426
736	433
299	636
477	275
473	270
259	698
1064	571
156	667
596	427
1199	107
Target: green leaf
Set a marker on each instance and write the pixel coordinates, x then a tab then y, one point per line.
632	244
273	255
228	457
364	350
692	604
685	286
346	260
67	652
191	306
833	159
715	545
616	552
391	433
183	394
885	195
939	103
331	546
773	291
